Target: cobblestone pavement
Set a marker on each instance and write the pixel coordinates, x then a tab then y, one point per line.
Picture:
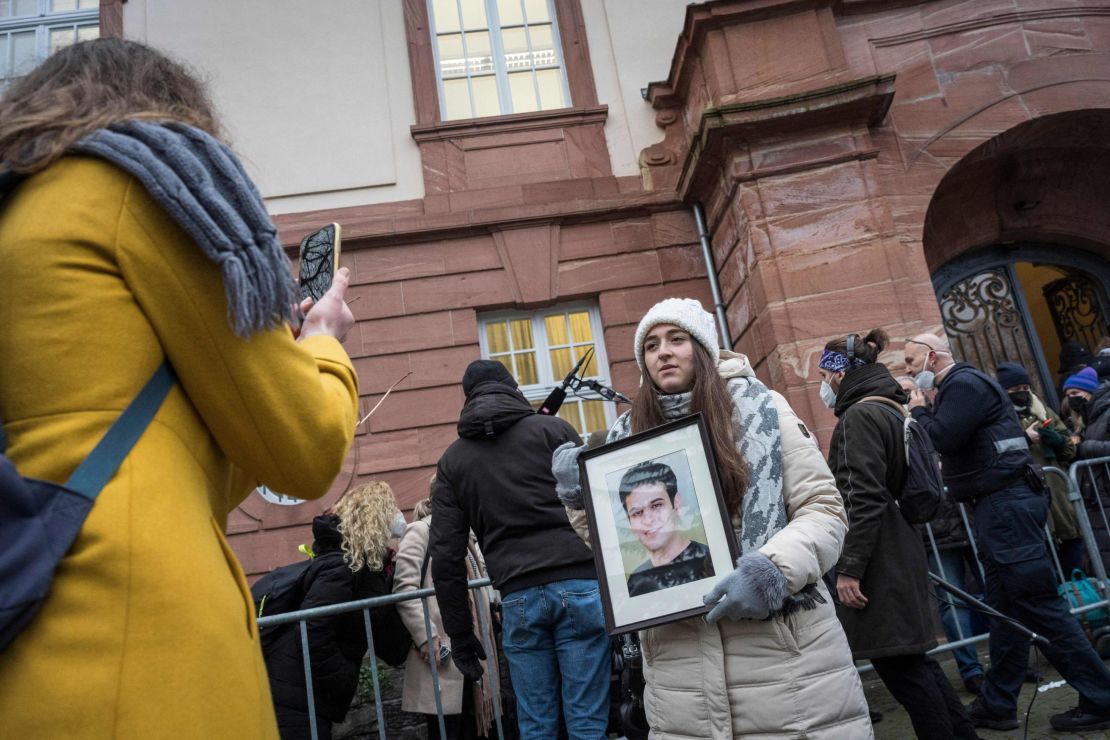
896	723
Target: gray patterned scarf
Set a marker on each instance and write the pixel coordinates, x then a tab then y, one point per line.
763	507
203	186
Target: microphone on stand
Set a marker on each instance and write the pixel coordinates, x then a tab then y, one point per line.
554	400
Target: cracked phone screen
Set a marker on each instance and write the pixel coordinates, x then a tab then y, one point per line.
319	256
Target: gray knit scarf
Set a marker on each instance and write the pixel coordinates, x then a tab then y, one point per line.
763	507
203	186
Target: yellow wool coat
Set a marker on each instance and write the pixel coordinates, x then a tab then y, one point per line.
148	631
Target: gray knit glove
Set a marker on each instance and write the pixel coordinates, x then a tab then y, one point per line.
564	465
753	591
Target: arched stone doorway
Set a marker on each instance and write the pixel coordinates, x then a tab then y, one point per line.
1017	238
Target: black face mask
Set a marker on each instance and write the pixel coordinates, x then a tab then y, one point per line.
1021	399
1078	404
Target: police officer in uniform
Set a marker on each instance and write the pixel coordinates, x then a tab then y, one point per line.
987	465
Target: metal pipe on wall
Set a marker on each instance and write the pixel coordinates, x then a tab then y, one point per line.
711	271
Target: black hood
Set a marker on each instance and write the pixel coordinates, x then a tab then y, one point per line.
1099	403
490	409
325	532
872	379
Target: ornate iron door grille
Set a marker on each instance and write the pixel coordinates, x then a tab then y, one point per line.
1076	308
983	319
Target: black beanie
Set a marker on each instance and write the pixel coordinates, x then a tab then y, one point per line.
1101	365
1010	374
1073	355
481	371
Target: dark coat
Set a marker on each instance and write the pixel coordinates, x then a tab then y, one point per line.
974	427
496	480
867	455
1096	430
337	644
1096	482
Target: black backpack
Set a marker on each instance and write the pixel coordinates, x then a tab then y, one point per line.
923	488
278	592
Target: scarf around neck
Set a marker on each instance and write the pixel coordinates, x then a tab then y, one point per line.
763	508
200	182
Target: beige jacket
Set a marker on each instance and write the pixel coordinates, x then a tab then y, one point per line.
418	694
784	677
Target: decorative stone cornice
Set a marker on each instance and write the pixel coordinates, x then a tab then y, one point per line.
406	227
859	102
700	20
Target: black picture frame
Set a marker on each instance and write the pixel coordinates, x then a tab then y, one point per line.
654	593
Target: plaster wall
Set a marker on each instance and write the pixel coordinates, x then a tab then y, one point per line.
316	99
631	44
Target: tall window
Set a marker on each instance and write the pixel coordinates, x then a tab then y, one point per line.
541	348
497	56
31	30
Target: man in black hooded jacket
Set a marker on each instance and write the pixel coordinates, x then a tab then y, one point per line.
496	480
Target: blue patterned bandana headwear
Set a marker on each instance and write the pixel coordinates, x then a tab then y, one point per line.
837	362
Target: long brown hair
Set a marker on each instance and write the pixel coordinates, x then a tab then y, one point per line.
711	397
91	85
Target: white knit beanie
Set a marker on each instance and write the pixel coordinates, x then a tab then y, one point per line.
685	313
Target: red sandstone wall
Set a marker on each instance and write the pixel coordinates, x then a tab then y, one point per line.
417	312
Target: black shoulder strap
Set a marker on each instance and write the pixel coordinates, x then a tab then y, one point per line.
8	181
424	565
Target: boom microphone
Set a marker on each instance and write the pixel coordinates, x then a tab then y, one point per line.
555	399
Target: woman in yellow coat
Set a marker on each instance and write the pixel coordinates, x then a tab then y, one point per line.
148	631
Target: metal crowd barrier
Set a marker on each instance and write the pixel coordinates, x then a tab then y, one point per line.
481	595
1080	472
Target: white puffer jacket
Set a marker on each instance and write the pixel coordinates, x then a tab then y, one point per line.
786	677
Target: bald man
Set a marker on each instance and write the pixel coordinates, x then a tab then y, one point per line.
987	465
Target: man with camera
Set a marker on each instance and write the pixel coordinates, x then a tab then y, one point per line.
987	464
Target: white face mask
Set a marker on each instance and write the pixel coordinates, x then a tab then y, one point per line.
397	528
828	395
925	380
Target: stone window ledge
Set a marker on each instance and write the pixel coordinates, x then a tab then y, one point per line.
539	120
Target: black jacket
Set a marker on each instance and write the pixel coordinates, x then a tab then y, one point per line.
1096	429
1096	481
337	644
868	457
496	479
974	427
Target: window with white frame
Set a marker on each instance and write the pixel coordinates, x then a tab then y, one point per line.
540	348
31	30
495	57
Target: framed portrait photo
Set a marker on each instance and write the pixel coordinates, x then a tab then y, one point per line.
660	530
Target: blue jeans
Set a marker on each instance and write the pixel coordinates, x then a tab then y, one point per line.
1021	584
954	614
554	639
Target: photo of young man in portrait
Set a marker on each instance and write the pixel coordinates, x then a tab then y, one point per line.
668	553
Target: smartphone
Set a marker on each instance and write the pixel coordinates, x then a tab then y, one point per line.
444	654
319	260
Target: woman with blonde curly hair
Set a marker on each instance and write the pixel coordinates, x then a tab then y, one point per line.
352	560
